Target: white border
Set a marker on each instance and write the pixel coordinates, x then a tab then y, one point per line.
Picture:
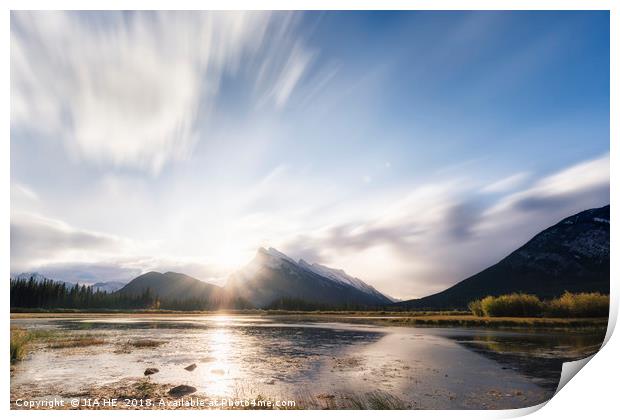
591	396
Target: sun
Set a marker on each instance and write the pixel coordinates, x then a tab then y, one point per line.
232	256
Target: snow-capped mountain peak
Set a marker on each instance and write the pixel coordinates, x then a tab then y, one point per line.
340	276
271	257
277	254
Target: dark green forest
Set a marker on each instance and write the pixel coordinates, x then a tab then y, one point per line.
296	304
49	294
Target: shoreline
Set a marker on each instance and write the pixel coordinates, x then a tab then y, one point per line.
423	319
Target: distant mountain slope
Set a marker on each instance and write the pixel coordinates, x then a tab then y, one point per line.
572	255
171	286
108	286
39	278
272	275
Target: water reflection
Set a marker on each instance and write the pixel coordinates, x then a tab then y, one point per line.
239	356
537	355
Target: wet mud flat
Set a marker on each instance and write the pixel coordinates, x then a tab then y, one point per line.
314	364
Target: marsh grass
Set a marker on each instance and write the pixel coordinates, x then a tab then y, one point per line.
476	308
569	305
375	400
263	403
495	322
146	343
129	346
579	305
19	342
75	341
147	389
144	388
23	341
515	304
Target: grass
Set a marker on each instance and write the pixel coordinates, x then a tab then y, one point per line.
144	388
22	341
515	304
75	341
476	308
19	343
579	305
146	343
498	322
375	400
148	389
569	305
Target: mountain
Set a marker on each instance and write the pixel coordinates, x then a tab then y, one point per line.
107	286
35	276
171	286
572	255
272	275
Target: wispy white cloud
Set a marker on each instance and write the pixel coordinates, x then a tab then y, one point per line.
441	232
21	191
509	183
64	252
38	240
582	179
128	88
291	75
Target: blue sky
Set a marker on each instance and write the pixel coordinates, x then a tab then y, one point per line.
383	143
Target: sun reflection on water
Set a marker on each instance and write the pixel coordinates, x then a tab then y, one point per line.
221	373
222	319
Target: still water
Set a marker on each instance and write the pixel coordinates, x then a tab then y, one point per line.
285	358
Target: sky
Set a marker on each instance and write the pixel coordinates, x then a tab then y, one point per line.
411	149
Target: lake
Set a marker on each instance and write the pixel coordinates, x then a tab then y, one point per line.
317	364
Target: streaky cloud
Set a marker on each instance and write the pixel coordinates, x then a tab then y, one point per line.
129	89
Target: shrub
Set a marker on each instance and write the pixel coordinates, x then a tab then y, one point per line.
579	305
569	305
475	306
516	304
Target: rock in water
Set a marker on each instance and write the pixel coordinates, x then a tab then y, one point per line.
191	367
150	371
181	390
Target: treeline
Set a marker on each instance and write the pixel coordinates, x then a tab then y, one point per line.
48	294
569	305
199	304
296	304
